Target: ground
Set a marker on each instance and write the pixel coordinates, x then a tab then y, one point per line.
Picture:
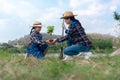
51	68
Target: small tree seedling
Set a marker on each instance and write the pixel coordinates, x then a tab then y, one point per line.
50	30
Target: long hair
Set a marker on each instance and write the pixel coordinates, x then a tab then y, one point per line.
72	18
32	30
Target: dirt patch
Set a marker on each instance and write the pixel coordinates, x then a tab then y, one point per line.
117	52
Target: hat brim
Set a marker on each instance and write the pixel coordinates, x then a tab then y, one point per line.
67	16
37	25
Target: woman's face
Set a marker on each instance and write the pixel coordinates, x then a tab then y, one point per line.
38	29
67	20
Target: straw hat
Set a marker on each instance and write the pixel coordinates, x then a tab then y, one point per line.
68	14
37	24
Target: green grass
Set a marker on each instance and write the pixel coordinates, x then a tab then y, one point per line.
104	51
100	68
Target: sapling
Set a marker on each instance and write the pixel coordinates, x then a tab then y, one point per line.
50	30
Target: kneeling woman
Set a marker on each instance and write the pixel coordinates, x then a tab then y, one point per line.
77	40
37	47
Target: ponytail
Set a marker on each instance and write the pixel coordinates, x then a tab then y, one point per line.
31	30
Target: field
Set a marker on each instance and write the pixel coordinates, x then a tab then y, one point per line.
14	67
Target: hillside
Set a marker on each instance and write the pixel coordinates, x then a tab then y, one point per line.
25	40
102	43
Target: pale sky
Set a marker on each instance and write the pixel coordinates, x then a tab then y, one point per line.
16	16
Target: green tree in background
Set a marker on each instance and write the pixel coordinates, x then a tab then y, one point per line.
117	28
117	16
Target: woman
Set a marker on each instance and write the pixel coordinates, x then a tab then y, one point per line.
37	46
77	40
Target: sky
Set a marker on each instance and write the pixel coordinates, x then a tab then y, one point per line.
16	16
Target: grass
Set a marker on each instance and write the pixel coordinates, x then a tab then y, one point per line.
99	68
104	51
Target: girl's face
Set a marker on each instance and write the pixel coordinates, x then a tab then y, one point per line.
67	20
38	29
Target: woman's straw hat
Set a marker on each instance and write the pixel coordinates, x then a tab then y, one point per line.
37	24
68	14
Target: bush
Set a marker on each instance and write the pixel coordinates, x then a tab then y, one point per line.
102	44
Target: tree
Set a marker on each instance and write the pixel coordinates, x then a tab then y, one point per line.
117	28
116	16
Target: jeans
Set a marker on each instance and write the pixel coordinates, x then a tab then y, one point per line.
75	49
36	50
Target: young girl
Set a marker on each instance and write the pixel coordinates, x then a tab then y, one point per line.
37	47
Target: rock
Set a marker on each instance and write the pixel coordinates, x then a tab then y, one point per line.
117	52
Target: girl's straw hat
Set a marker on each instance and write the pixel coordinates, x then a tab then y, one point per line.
68	14
37	24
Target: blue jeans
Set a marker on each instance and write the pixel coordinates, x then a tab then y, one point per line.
75	49
37	51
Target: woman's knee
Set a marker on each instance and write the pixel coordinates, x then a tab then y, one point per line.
65	51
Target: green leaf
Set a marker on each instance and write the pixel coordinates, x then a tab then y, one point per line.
50	29
116	16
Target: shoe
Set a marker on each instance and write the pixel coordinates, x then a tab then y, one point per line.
68	58
87	55
80	53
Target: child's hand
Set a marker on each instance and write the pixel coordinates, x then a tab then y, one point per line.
53	41
47	41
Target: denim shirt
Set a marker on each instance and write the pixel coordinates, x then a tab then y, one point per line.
36	37
76	33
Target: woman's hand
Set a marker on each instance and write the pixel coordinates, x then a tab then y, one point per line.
54	41
63	26
51	42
